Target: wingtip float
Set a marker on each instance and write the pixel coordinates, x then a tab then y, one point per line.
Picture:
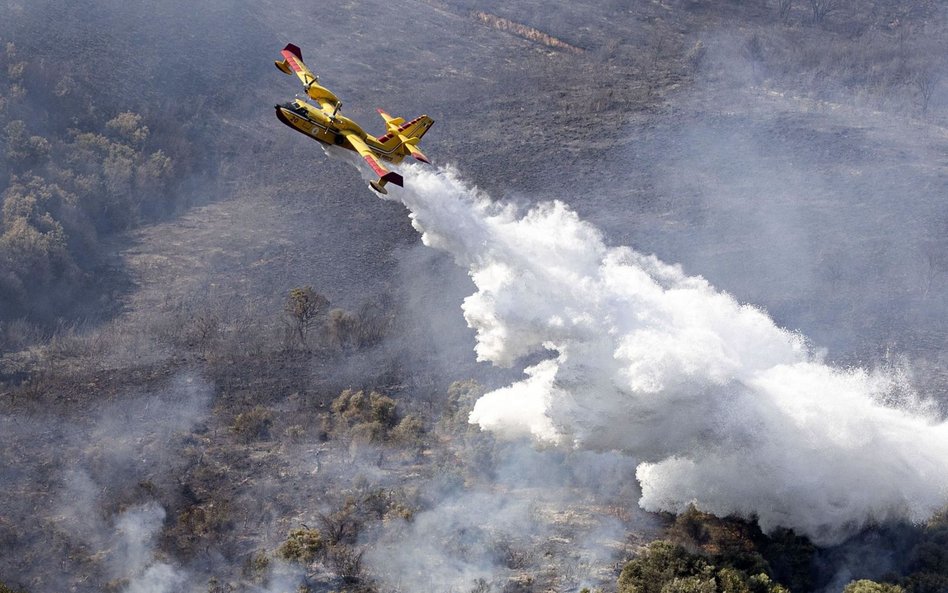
324	123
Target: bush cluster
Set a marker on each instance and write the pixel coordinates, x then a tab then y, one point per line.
307	312
302	545
371	414
699	545
331	553
866	586
63	189
254	424
927	569
665	567
373	418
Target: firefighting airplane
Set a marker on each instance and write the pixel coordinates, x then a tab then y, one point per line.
326	124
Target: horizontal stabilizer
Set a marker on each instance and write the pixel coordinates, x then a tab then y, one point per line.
418	155
391	121
417	127
393	177
389	177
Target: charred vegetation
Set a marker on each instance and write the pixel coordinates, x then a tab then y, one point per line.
219	352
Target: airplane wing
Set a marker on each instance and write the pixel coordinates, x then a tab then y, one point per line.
385	176
292	63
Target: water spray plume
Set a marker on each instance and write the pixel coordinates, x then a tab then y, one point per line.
720	407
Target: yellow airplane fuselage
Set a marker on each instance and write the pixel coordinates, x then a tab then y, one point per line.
328	129
324	123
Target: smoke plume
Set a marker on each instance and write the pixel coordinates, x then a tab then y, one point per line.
134	552
719	406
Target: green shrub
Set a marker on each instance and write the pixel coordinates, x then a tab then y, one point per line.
408	432
665	567
740	544
201	524
866	586
257	566
302	545
128	126
365	418
254	424
363	329
458	405
367	432
660	563
691	585
928	560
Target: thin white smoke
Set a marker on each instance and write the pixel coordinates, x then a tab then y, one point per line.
722	408
133	555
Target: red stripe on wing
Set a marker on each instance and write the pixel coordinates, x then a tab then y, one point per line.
405	126
293	50
379	169
292	61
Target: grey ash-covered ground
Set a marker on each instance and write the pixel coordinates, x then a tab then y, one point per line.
171	432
